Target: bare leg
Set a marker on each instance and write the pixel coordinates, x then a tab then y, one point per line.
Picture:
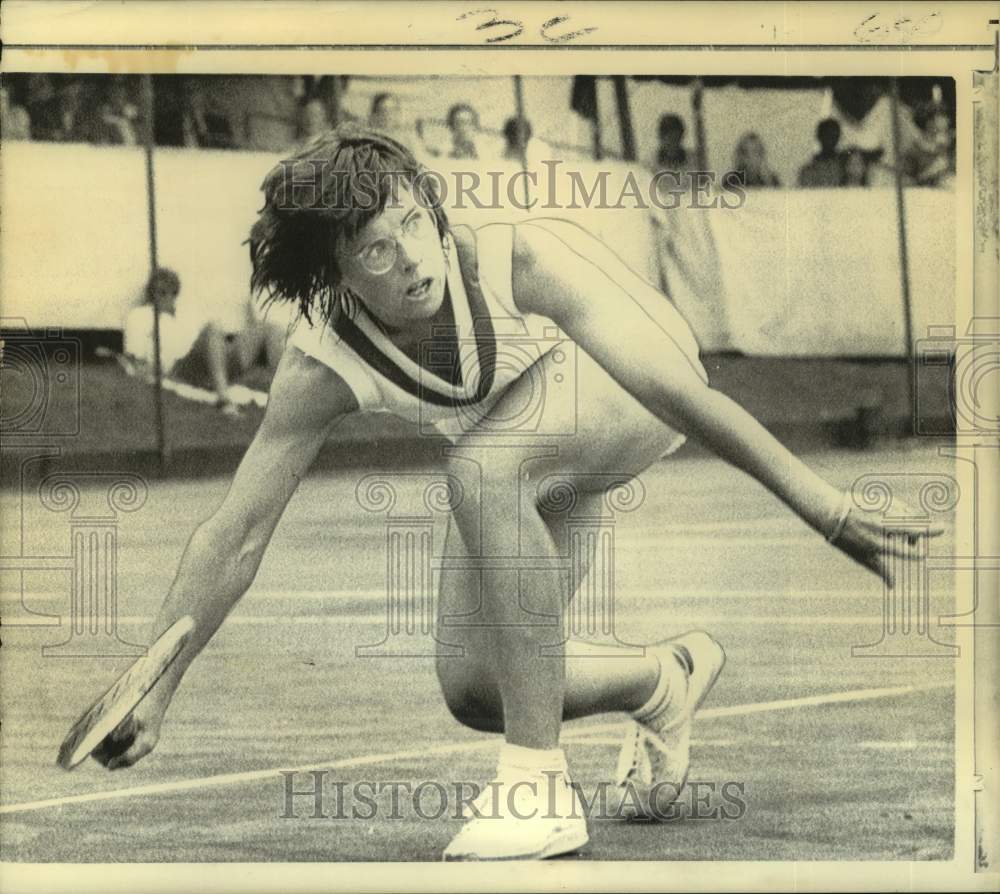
205	364
594	683
215	356
519	613
502	683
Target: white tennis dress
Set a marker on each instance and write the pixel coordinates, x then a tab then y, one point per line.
466	368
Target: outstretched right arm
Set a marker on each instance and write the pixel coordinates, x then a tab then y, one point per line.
307	400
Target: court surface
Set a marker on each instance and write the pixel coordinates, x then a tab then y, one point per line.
802	752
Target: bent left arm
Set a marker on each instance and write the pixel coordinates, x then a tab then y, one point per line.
631	330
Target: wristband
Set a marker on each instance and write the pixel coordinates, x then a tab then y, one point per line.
845	510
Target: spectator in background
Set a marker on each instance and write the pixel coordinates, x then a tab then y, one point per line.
40	93
206	126
855	167
161	291
67	115
39	89
313	120
331	89
519	142
205	354
671	155
930	159
516	136
117	116
14	119
750	167
386	113
463	122
826	168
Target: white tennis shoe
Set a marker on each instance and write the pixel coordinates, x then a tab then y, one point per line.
656	754
522	817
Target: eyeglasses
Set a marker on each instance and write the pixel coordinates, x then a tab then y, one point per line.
379	257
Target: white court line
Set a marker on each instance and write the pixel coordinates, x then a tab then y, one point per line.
922	745
686	618
181	785
809	701
617	740
633	594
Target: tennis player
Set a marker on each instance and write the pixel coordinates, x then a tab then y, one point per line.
351	233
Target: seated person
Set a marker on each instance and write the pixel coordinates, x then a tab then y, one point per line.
14	118
463	122
521	145
929	160
386	115
855	167
118	116
750	166
671	154
205	354
826	168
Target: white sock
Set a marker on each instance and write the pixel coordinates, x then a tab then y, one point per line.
670	682
532	761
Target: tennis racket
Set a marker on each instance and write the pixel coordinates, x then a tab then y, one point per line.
121	699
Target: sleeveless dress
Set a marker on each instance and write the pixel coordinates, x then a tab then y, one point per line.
462	375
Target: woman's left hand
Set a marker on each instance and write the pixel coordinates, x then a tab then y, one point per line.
878	546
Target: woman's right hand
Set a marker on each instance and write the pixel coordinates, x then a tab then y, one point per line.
136	735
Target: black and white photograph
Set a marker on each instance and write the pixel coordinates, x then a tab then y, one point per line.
563	434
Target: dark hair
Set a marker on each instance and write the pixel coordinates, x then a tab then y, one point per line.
515	129
162	274
458	108
828	131
670	123
320	197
